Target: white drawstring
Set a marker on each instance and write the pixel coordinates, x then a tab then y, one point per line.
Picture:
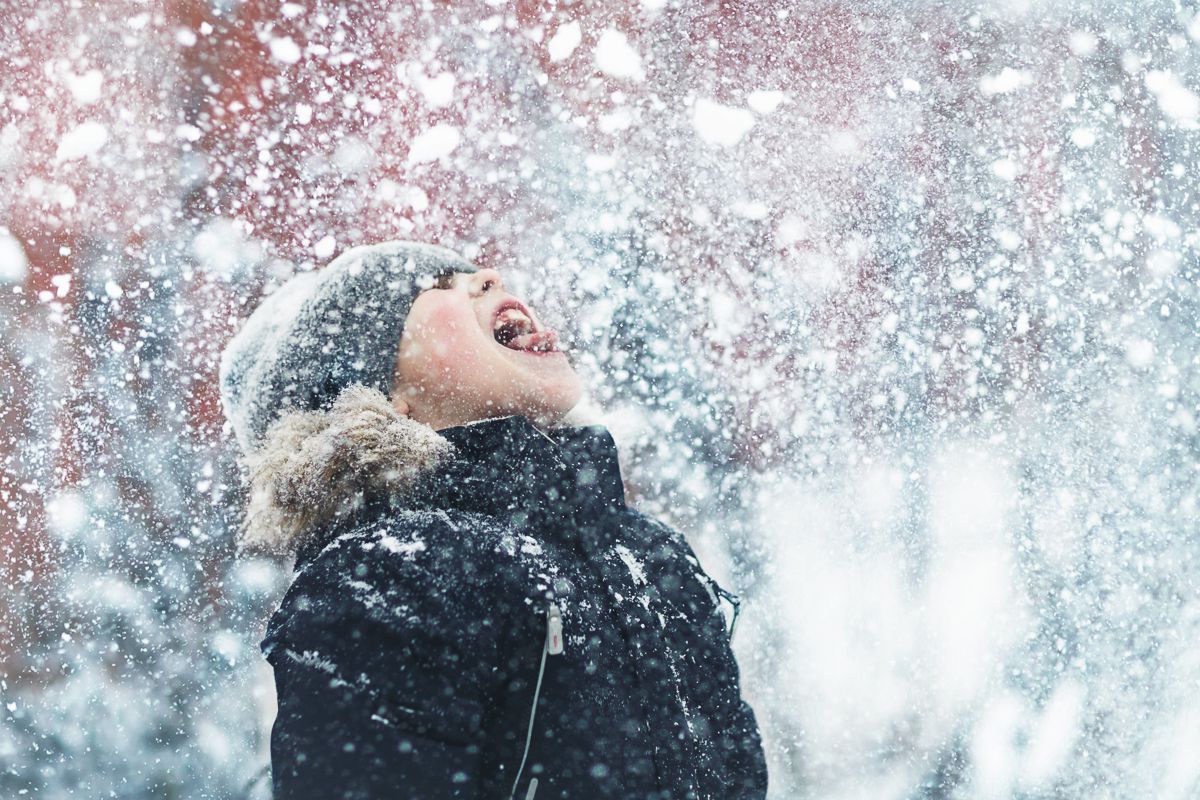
553	641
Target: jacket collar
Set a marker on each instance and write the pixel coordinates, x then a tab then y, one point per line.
508	464
319	472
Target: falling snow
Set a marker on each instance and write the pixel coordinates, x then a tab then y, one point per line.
891	307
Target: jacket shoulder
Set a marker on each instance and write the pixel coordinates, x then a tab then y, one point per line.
401	542
406	569
657	538
378	629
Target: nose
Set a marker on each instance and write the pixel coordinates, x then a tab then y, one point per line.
485	280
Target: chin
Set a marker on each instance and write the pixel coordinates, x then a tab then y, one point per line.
554	401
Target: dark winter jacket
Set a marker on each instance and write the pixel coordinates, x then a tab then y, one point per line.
427	600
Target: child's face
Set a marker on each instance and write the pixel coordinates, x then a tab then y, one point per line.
472	351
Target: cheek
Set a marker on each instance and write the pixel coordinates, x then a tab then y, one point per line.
451	334
446	342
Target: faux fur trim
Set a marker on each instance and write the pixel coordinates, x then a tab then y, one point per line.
316	466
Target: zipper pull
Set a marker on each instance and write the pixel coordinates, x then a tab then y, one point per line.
532	789
554	642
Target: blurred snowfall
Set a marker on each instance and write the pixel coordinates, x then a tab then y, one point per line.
892	307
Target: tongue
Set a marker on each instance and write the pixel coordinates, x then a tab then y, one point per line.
541	341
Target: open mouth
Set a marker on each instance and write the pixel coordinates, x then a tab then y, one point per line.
514	328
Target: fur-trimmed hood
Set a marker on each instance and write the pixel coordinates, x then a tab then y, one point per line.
315	466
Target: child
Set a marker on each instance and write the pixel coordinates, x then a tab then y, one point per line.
475	611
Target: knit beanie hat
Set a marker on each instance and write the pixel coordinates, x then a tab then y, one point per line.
324	331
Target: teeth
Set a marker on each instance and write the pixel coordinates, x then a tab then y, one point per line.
510	324
512	316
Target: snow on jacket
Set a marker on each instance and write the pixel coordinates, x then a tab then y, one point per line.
438	573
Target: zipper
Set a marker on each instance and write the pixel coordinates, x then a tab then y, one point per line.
553	645
554	642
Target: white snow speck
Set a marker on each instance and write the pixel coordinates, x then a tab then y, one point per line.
437	142
324	247
791	229
222	248
1007	238
1162	263
439	91
394	545
750	209
81	141
312	658
61	284
1005	169
636	570
353	154
1083	43
14	264
599	163
1139	353
304	113
764	101
909	85
415	197
1083	138
618	120
1176	100
1161	228
10	136
1022	324
1005	81
564	41
285	49
721	125
85	88
616	57
66	514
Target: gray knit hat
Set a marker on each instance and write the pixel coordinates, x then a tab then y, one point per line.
325	330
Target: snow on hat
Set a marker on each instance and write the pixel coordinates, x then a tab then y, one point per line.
324	331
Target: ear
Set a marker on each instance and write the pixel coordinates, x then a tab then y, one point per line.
399	403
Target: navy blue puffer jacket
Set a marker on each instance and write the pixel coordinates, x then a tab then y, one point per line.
408	649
